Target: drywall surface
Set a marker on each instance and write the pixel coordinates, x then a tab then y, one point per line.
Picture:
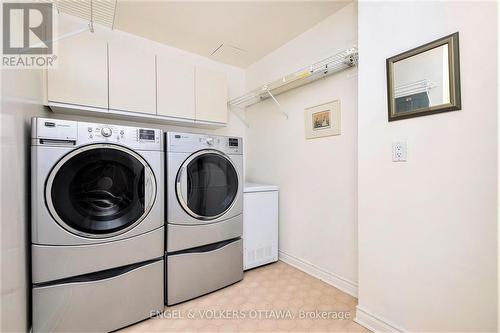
21	99
428	227
317	177
334	34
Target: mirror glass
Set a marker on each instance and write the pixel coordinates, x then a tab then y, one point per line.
422	81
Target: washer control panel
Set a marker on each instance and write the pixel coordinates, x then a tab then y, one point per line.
119	134
55	131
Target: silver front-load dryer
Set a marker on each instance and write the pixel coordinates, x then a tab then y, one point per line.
204	189
97	224
204	214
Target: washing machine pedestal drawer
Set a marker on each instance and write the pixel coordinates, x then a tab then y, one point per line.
198	271
51	263
101	305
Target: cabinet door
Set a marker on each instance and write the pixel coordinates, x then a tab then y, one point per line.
211	95
81	75
175	88
132	78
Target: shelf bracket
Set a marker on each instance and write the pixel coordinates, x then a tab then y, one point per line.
277	103
91	22
56	39
232	108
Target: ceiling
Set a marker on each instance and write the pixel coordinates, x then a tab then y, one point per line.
233	32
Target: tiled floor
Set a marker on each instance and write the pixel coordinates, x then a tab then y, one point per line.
273	298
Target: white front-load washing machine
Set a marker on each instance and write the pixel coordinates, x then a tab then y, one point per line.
204	214
97	225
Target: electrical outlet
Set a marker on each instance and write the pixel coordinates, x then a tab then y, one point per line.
399	151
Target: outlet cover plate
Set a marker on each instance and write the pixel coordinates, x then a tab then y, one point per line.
399	151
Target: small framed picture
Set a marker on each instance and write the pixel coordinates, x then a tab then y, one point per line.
322	120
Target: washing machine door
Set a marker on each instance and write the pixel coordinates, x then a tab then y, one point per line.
100	190
207	185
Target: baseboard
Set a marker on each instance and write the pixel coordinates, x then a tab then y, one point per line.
374	323
335	280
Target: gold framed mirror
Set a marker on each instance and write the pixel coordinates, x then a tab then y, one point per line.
424	80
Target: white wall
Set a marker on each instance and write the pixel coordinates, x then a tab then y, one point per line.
317	177
22	98
427	227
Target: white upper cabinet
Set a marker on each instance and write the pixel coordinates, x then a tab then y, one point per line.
99	74
211	95
81	74
132	78
175	88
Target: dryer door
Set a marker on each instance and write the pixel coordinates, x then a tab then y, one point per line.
207	185
100	191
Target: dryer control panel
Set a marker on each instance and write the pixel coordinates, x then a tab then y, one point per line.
190	142
54	131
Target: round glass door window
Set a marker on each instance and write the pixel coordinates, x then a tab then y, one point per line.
207	185
100	191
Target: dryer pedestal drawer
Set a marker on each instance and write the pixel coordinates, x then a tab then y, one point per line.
182	237
198	271
102	305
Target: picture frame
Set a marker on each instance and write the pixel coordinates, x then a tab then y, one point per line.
424	80
322	120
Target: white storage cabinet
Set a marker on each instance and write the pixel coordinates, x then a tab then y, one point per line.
260	225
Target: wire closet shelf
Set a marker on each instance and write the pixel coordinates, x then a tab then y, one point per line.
334	64
93	11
